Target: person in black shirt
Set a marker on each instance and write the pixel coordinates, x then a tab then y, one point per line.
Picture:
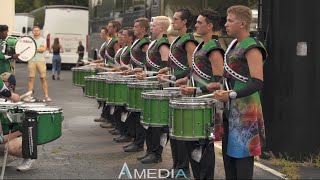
80	52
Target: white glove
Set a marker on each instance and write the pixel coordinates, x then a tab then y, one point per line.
7	57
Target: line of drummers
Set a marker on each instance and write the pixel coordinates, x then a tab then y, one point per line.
151	88
23	126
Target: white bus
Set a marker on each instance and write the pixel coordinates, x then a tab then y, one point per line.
69	24
23	23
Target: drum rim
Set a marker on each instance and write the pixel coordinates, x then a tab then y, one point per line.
183	102
56	109
145	84
35	50
150	94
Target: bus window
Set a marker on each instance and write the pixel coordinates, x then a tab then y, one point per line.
134	5
118	10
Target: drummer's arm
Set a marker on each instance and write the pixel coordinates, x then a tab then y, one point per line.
61	49
216	60
42	48
5	92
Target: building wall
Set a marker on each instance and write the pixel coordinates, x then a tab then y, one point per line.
7	13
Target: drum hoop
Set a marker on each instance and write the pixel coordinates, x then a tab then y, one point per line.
45	109
35	51
160	94
191	103
145	84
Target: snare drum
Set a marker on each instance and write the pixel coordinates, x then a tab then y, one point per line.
191	118
7	108
90	86
134	93
26	48
156	107
49	123
101	89
117	91
74	75
83	72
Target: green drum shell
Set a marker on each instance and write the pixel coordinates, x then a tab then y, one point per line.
101	86
135	90
155	111
83	72
90	86
74	75
191	118
117	91
49	123
4	107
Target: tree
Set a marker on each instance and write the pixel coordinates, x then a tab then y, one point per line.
25	6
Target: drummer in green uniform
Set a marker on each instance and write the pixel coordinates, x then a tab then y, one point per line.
207	67
6	57
156	58
180	60
7	82
138	55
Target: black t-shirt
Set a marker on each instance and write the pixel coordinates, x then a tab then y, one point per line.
81	50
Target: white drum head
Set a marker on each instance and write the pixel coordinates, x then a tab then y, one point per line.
26	48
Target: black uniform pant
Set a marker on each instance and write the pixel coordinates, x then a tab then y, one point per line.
204	169
179	154
121	126
106	113
137	131
153	135
235	168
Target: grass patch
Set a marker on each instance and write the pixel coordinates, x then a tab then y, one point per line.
56	151
291	172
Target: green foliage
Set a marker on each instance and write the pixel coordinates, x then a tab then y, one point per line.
25	6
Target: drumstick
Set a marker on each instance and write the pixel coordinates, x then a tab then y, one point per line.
188	87
168	80
130	76
24	50
165	75
172	88
212	94
227	91
5	156
205	96
151	77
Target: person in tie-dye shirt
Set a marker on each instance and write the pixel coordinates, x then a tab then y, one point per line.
243	78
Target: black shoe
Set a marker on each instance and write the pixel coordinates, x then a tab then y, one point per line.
58	78
151	159
143	156
114	132
125	146
133	148
53	78
123	139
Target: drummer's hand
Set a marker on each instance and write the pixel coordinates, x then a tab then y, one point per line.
140	75
15	56
137	69
14	97
213	86
163	70
187	90
129	72
221	95
162	76
182	81
123	68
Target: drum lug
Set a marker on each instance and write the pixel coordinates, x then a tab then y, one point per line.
52	117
